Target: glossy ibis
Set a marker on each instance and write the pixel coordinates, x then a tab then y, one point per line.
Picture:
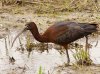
61	33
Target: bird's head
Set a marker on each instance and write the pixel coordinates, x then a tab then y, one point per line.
30	26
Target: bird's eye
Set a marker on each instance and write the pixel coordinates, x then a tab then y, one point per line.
27	26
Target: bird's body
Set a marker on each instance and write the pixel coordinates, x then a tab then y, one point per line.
62	33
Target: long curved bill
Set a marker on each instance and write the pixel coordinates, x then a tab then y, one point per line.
18	36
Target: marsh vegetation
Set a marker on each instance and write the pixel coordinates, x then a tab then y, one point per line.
27	56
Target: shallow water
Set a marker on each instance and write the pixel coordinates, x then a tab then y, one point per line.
48	61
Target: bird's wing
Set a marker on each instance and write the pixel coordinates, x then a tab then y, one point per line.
89	27
71	34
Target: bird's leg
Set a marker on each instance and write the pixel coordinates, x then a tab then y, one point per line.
47	47
68	59
86	46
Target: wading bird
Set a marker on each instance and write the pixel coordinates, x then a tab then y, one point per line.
61	33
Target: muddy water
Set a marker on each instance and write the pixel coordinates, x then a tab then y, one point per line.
48	61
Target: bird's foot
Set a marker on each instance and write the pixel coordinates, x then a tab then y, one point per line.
67	64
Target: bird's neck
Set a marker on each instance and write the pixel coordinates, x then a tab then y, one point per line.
37	36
